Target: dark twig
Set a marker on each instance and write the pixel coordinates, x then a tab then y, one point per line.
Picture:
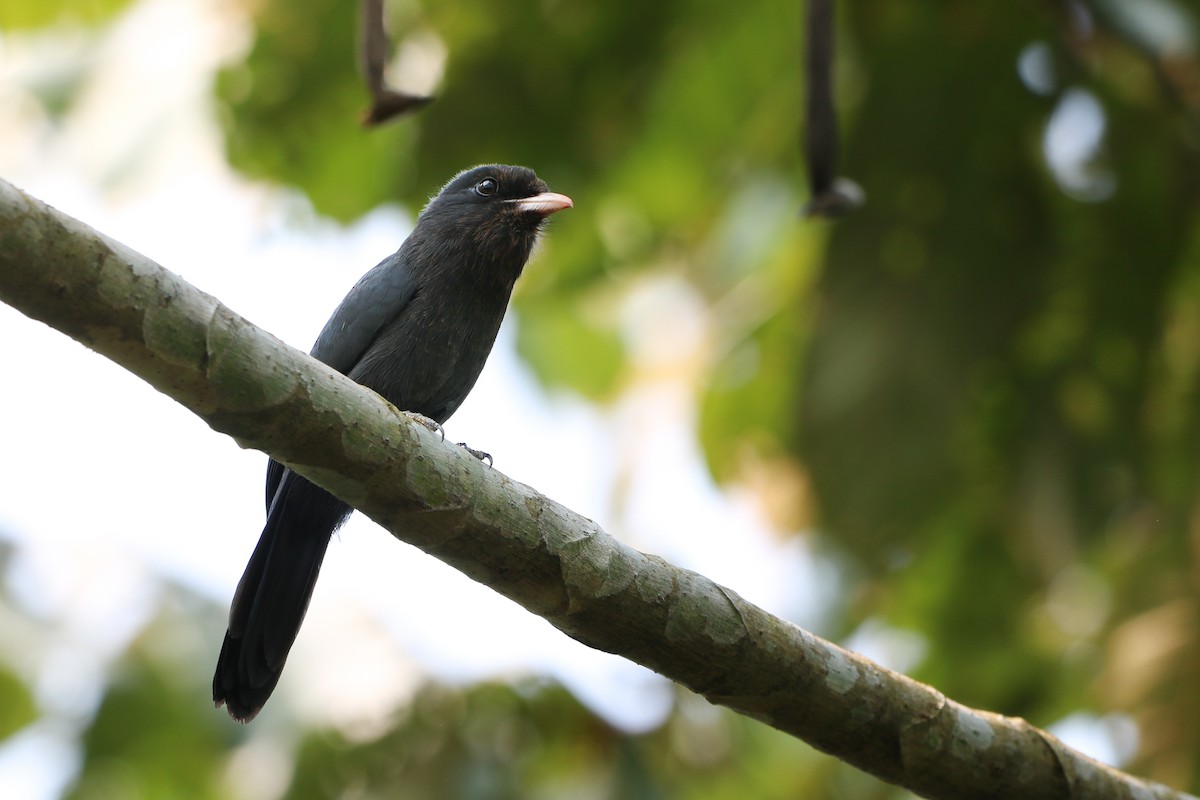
831	196
386	103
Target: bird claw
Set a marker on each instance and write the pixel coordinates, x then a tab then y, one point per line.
482	456
425	422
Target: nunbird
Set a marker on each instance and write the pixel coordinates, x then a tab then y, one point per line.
417	329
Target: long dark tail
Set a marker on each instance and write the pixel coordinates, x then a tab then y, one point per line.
273	594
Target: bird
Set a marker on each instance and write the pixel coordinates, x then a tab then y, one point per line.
416	329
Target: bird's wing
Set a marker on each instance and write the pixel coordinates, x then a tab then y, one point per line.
377	299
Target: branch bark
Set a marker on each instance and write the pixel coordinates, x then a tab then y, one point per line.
246	383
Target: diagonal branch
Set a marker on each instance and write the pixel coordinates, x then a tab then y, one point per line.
266	395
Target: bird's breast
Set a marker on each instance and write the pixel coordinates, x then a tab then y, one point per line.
428	358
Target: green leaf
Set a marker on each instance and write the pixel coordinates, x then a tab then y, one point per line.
565	348
17	707
33	14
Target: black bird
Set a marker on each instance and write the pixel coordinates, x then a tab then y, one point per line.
417	329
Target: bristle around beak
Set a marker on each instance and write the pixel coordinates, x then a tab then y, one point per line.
543	204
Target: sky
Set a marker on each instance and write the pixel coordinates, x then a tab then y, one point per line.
111	487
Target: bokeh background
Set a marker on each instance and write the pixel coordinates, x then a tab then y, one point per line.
956	431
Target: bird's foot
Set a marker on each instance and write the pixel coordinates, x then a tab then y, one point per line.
425	422
482	456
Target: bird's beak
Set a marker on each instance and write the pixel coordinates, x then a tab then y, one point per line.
543	204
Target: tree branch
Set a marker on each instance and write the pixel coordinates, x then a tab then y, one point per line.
266	395
386	103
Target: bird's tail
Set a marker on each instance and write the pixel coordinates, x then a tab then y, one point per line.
273	595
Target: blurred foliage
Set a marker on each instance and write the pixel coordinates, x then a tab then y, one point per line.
41	13
16	704
292	108
990	413
534	740
641	112
151	735
983	387
521	741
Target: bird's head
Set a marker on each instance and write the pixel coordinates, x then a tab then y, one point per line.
497	207
484	223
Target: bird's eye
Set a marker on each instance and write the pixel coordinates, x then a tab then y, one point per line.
486	187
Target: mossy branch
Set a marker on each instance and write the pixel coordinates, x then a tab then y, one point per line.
266	395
